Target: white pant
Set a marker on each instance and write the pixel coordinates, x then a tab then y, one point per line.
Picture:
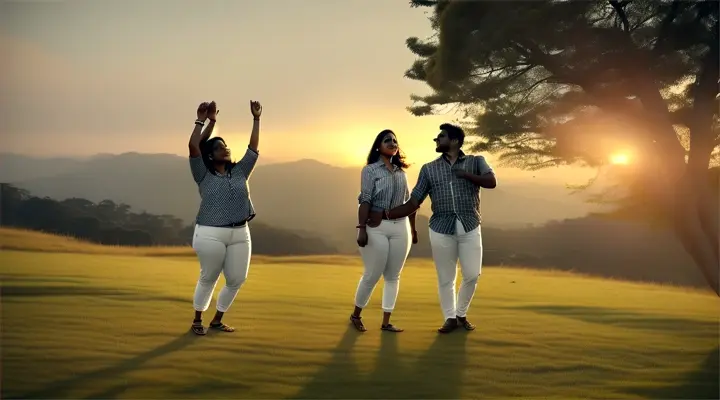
225	250
446	250
384	254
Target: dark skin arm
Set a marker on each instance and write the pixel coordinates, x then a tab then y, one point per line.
487	181
256	110
412	227
363	215
405	210
198	135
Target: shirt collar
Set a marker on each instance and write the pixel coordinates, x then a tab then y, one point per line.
461	156
382	164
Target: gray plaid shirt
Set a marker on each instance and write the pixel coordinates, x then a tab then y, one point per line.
381	188
225	198
452	197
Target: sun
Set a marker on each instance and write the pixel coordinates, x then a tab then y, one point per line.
620	159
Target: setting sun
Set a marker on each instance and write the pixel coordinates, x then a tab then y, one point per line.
620	158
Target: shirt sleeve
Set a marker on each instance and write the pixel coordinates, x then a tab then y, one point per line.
198	168
366	186
246	165
481	166
422	187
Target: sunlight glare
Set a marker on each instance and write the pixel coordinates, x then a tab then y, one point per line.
620	158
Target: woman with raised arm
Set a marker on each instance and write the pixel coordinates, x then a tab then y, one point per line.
222	237
384	243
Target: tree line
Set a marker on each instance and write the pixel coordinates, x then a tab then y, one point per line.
589	245
111	223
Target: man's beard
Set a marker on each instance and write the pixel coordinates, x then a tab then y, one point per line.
442	149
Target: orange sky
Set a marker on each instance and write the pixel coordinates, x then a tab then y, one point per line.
86	77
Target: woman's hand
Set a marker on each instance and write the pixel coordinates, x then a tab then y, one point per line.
255	109
212	111
362	237
202	111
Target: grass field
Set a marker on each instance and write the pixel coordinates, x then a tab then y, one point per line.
83	321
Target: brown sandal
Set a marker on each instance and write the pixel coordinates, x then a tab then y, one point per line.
221	326
357	323
197	328
391	328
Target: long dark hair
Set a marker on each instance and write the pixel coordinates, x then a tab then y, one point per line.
374	155
206	150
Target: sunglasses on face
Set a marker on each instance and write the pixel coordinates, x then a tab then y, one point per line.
389	140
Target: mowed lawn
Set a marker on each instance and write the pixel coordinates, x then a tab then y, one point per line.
116	326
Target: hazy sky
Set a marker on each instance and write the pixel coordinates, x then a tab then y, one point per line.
83	77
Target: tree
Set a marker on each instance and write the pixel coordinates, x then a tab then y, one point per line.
544	83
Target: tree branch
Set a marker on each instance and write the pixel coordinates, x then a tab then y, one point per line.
620	10
665	26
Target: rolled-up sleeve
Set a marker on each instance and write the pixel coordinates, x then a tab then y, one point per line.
481	166
366	185
246	165
198	169
422	187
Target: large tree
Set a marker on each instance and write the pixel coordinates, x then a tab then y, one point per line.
543	83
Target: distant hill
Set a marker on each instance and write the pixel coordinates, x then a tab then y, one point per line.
304	195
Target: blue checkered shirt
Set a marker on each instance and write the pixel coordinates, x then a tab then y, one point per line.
452	197
225	199
381	188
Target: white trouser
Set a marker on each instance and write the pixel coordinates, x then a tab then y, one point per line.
446	250
384	254
225	250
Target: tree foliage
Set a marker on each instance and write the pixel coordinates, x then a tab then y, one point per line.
545	83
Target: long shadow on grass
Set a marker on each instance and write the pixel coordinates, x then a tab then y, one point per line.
701	383
12	291
437	372
62	388
45	279
340	379
625	319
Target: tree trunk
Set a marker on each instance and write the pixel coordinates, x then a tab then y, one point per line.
701	245
683	188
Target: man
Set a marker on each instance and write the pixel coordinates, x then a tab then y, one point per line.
453	182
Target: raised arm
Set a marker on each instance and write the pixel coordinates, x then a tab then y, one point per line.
205	111
256	110
247	163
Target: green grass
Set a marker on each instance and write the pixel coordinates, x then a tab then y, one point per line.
116	326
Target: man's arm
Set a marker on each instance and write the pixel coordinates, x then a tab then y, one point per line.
404	210
419	193
486	181
483	175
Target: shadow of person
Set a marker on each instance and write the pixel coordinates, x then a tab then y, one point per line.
390	375
438	371
62	388
340	378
